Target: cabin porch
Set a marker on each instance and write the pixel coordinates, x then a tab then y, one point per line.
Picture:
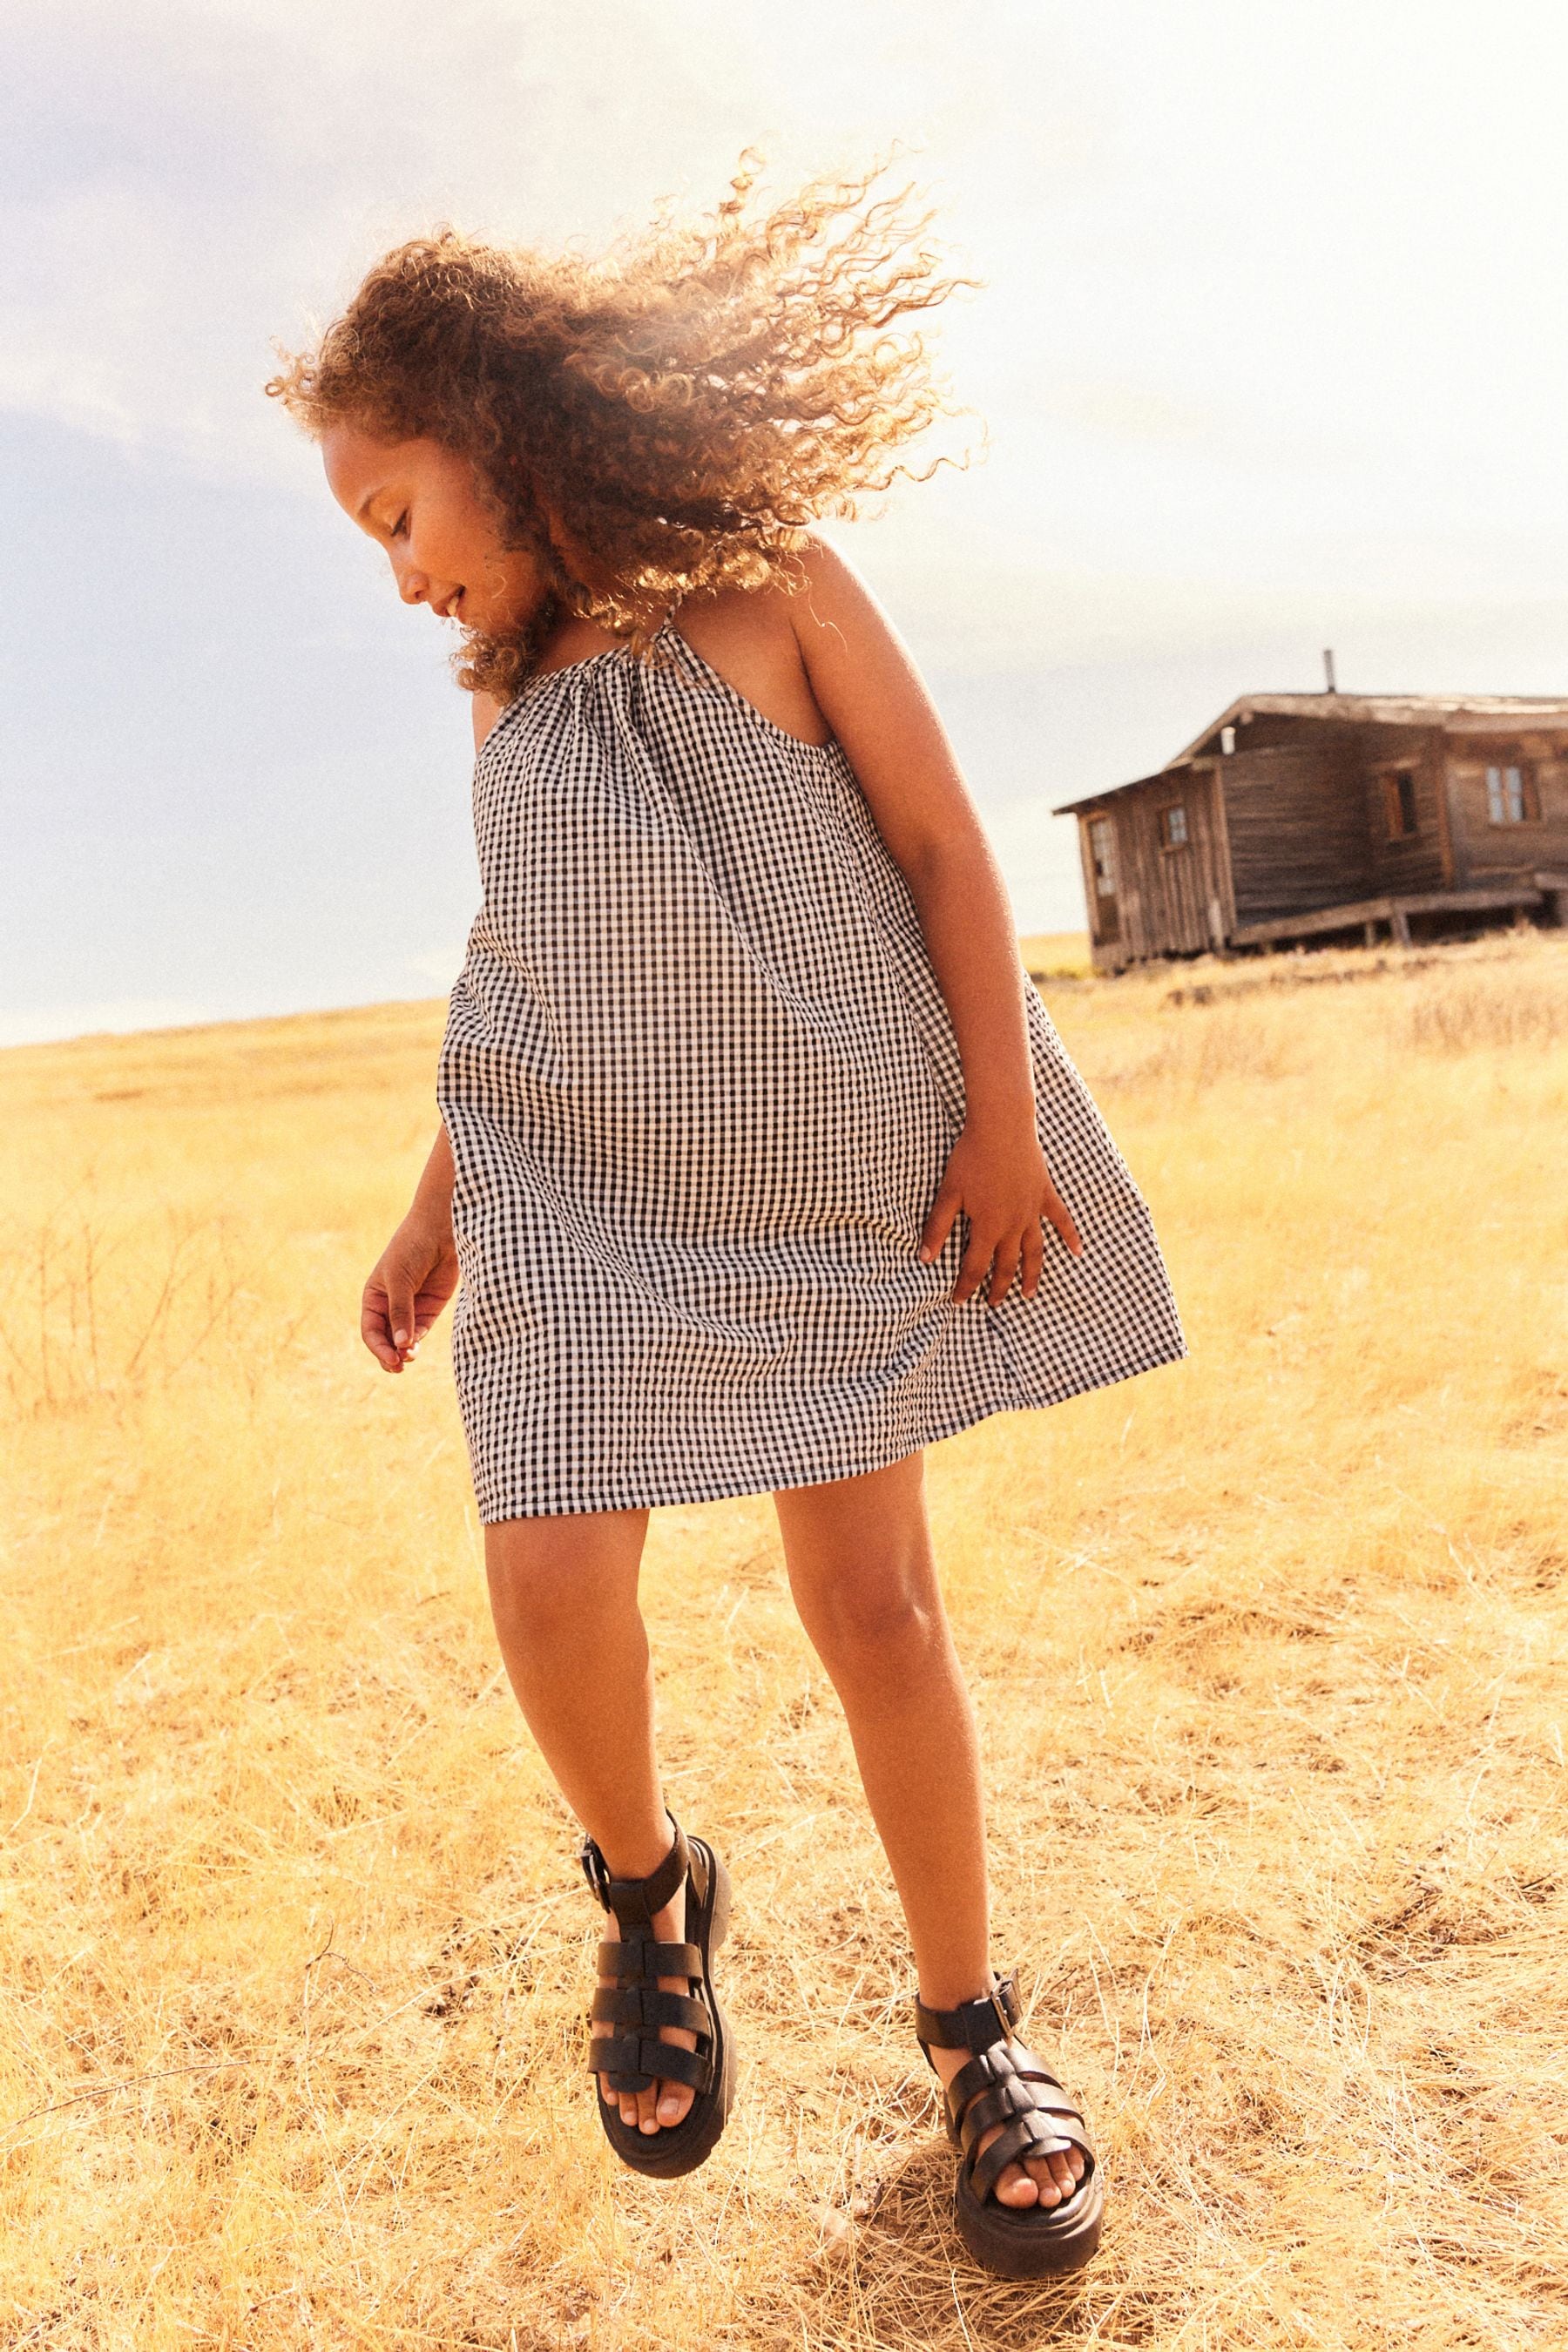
1543	894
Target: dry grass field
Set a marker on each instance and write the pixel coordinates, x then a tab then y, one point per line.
1267	1650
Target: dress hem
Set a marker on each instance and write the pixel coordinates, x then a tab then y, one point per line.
655	1496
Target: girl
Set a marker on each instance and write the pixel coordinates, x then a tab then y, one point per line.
760	1166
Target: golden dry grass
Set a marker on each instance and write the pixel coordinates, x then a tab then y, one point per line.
1057	955
1267	1651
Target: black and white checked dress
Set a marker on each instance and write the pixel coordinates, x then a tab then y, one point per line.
700	1085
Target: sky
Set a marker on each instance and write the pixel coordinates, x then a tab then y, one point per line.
1270	352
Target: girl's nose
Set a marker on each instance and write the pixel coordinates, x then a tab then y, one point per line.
413	586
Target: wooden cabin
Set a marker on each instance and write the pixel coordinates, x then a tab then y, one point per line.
1304	816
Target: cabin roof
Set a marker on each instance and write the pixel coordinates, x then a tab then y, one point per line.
1456	714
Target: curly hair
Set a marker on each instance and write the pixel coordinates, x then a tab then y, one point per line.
661	419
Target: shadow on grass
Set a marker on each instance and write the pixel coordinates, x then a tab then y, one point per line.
896	2275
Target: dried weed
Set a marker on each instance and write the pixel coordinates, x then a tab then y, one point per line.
1266	1651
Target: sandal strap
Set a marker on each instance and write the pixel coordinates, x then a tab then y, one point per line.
631	2057
634	1901
635	2065
631	1962
647	2006
1025	2136
974	2025
985	2092
619	2062
1026	2105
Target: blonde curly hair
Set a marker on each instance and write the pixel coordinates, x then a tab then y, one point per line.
661	419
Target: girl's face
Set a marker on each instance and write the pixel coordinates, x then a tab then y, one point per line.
420	501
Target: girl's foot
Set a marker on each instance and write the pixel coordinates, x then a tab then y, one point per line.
665	2103
1046	2181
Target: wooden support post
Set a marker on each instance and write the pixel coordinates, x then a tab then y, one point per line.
1369	934
1399	925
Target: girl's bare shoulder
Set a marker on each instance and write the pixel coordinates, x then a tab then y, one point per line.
753	637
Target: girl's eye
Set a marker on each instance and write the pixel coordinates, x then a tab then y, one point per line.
400	528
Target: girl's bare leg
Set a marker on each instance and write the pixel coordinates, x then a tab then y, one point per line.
864	1581
563	1593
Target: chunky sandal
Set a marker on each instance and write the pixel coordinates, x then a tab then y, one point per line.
633	2058
1038	2119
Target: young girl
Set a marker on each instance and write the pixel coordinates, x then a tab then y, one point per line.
759	1165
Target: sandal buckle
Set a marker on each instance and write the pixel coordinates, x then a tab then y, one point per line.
1003	1991
595	1871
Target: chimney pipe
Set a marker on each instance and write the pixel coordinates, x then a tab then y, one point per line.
1328	668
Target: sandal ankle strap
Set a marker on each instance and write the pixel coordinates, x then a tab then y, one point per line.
634	1901
974	2025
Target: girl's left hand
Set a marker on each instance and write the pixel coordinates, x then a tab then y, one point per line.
997	1180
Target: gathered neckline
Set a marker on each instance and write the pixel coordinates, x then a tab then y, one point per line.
667	628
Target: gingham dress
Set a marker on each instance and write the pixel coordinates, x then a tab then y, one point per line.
700	1085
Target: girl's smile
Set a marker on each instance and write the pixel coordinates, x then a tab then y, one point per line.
420	501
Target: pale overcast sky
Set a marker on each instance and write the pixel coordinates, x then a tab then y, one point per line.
1271	350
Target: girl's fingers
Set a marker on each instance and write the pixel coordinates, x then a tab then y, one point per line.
938	1225
389	1323
972	1269
1005	1267
400	1314
1033	1256
1059	1214
374	1331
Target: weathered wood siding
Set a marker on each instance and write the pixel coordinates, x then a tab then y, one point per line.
1418	861
1484	852
1297	820
1169	901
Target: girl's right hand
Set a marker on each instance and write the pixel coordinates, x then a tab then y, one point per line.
414	1277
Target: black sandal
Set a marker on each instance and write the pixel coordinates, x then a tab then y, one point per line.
1038	2119
633	2058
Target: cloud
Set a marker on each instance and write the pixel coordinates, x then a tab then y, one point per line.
184	181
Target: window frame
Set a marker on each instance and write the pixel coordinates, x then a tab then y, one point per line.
1105	879
1169	849
1394	807
1102	891
1498	808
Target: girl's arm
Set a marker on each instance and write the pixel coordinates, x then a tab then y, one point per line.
872	697
416	1273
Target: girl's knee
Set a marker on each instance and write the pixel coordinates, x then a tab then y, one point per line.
529	1604
550	1579
872	1618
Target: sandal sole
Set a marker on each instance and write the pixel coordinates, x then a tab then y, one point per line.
1030	2243
677	2148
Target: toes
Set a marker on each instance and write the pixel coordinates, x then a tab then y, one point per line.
1056	2177
1013	2187
1043	2172
674	2098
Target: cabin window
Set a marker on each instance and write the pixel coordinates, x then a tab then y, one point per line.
1173	826
1399	805
1512	797
1102	857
